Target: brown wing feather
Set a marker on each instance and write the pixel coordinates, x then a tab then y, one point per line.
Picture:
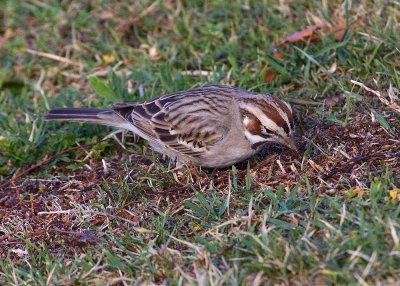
183	121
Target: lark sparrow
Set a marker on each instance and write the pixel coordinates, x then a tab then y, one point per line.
211	126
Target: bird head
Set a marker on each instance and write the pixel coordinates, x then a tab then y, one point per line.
267	119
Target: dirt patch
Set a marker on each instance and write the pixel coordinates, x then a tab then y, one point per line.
332	157
340	157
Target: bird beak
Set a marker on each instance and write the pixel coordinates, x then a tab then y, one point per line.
291	144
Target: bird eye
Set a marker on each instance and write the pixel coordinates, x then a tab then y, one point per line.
266	133
267	130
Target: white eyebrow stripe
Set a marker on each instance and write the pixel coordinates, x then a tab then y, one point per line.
281	113
288	106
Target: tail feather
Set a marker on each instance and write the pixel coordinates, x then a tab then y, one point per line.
88	115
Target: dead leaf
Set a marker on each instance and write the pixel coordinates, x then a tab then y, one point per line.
332	68
306	34
340	28
309	34
153	53
277	56
269	76
5	37
106	15
124	26
339	31
107	59
293	220
332	100
393	195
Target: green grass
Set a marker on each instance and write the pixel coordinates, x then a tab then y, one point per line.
72	221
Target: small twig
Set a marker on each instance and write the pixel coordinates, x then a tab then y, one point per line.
52	57
30	169
131	20
377	93
391	104
280	166
304	101
197	73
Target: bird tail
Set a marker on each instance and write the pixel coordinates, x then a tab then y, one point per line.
88	115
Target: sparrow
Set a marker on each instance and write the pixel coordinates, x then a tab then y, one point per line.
213	126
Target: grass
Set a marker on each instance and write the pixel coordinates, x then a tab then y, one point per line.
115	213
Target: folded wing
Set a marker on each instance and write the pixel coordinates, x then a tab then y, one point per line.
187	122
